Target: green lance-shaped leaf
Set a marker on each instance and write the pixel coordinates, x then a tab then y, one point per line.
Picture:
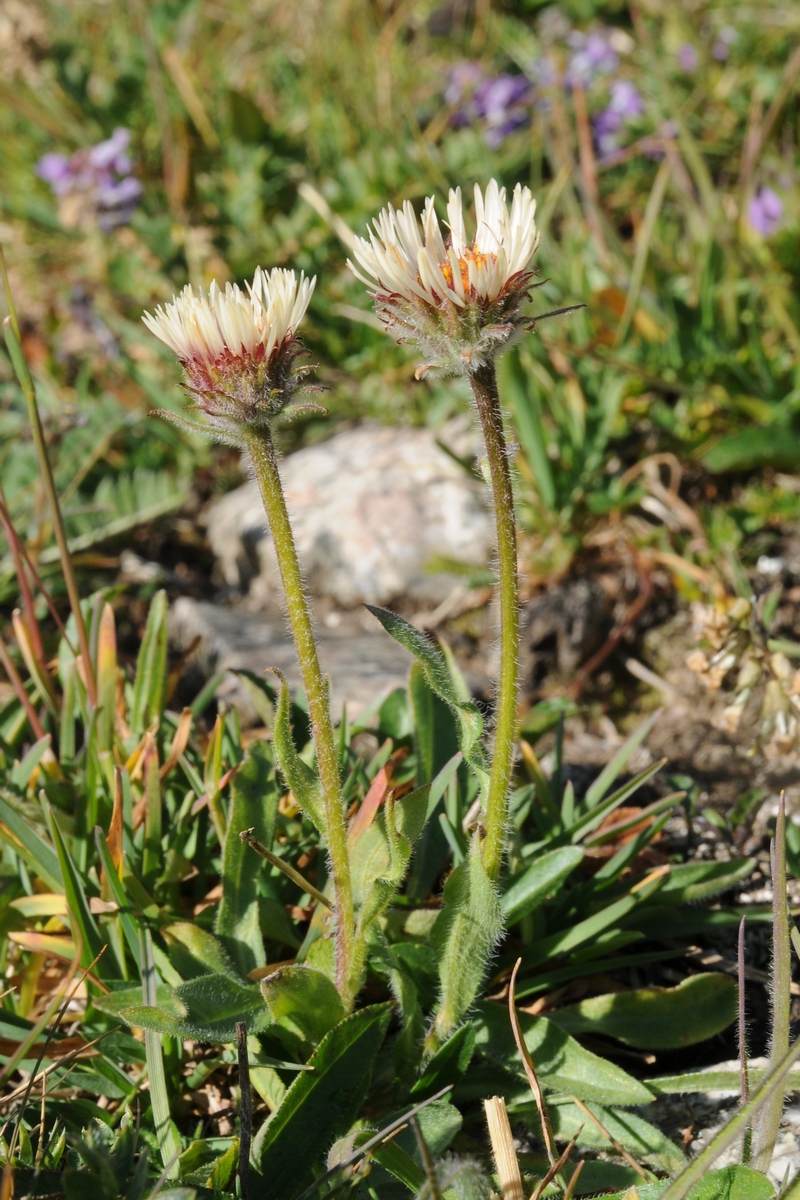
462	938
689	882
735	1183
320	1105
542	878
448	1064
657	1018
254	805
562	1063
440	679
303	1004
693	1082
193	951
206	1008
303	781
151	668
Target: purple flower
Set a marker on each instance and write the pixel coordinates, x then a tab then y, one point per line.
499	102
101	176
765	211
688	58
625	99
593	56
625	105
55	169
110	155
495	96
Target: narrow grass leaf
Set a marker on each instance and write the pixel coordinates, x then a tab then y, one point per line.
542	878
83	923
618	763
151	668
167	1136
40	856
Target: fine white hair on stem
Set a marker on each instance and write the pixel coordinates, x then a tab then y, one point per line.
203	327
408	257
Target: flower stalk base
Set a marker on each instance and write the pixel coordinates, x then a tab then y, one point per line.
265	465
487	400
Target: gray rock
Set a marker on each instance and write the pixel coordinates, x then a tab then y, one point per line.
371	509
363	664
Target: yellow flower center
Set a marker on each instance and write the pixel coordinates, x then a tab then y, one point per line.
469	255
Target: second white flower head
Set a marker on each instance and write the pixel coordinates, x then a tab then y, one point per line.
457	297
412	262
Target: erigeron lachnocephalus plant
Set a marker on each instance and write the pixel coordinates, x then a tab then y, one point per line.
460	300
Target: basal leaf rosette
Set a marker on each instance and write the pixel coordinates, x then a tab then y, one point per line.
460	301
238	349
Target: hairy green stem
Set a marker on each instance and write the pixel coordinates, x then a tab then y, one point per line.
484	387
265	466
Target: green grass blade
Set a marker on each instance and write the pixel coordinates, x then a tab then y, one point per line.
169	1142
120	897
38	854
619	762
85	925
767	1125
584	931
151	668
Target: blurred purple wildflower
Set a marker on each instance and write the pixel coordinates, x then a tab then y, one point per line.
55	170
502	102
722	46
765	211
688	58
624	106
102	175
593	55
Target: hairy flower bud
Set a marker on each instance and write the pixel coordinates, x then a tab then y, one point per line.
460	301
238	349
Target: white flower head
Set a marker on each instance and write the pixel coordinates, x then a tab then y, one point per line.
238	348
459	299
